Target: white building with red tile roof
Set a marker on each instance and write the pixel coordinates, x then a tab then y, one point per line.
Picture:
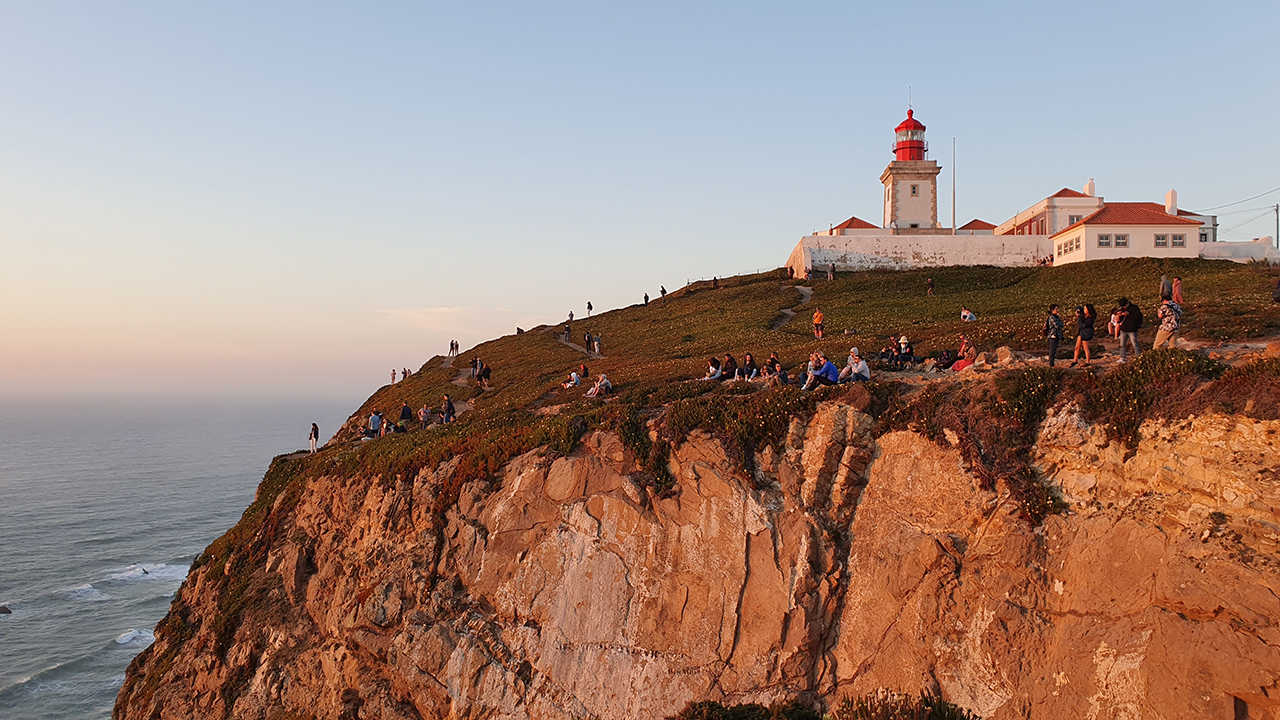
1068	226
1128	229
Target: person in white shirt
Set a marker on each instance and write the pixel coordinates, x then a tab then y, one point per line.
855	369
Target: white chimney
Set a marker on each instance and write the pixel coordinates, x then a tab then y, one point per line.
1088	188
1171	202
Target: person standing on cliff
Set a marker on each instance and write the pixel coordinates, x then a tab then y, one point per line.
313	437
1053	332
1170	315
589	308
393	376
646	299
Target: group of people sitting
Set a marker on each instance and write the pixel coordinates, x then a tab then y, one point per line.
379	426
898	355
821	371
579	375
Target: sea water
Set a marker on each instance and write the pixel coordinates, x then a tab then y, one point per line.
103	506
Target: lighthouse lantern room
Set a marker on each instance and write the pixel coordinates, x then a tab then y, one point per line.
910	181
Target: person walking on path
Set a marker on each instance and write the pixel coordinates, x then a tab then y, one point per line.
662	290
1170	315
1053	331
929	284
1085	317
1177	289
447	412
589	308
313	437
817	323
1130	322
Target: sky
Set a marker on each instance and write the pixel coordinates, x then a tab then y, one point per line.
288	198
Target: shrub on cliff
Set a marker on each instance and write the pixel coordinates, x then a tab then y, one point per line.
707	710
886	705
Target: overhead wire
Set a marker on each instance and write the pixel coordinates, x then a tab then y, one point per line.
1251	197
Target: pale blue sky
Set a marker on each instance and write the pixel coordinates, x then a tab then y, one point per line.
300	196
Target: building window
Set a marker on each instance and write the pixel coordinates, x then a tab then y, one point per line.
1073	219
915	190
1204	236
1104	240
914	225
1076	244
1162	240
1122	240
1178	240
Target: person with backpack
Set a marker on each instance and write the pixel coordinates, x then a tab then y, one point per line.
1085	317
1130	322
1053	332
589	308
1170	315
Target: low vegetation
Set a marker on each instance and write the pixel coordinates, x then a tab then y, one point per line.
652	352
882	705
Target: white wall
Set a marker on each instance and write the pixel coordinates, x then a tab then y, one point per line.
1263	248
918	209
865	252
1141	243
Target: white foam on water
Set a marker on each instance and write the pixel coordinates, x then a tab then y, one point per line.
158	571
87	592
134	636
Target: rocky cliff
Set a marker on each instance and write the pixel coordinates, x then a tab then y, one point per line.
851	557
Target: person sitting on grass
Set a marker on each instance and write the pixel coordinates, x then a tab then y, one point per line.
968	356
966	315
573	381
749	369
855	369
965	346
728	368
602	386
774	374
713	369
825	372
904	354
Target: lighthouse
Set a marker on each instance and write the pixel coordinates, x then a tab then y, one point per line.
910	180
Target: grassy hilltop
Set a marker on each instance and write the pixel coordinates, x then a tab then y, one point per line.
671	339
651	354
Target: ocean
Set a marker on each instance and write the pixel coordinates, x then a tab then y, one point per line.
103	506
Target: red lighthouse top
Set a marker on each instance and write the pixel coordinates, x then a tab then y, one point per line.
909	141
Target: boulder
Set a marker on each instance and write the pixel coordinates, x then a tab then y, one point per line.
4	610
1004	355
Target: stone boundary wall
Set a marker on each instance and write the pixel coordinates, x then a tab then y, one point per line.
901	252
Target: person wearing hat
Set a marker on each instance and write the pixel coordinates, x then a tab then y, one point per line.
904	355
856	369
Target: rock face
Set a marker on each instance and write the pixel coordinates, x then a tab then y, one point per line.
842	564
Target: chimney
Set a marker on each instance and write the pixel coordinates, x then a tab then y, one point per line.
1088	188
1171	202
